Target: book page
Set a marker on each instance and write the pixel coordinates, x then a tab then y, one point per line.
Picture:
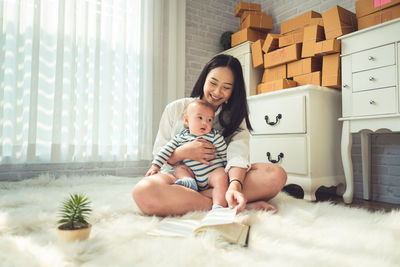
180	228
219	216
236	233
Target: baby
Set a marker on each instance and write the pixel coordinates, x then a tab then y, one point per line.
199	118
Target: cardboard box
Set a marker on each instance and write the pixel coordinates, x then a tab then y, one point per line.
261	23
331	71
316	21
309	78
275	85
338	21
282	56
275	73
246	6
379	17
299	21
246	35
312	34
327	47
257	54
271	42
366	7
292	38
248	12
303	66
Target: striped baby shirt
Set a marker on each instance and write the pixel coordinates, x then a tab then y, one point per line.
200	170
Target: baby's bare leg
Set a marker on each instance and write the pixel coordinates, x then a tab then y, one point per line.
183	171
218	179
185	177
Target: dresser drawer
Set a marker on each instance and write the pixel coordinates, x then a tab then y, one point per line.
373	58
278	115
375	102
293	149
373	79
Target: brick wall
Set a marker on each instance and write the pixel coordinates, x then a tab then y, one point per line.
206	20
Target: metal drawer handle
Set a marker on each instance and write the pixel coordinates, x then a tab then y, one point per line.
372	102
371	58
371	78
280	156
273	123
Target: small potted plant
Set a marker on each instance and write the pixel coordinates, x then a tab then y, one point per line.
225	39
74	212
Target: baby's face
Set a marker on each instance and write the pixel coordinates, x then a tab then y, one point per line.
199	119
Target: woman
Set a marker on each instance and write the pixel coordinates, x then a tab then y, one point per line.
251	186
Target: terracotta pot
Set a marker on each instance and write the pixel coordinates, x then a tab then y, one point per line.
72	235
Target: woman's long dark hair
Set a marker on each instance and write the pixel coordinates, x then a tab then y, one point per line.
236	109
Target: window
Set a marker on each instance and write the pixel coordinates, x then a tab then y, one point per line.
70	81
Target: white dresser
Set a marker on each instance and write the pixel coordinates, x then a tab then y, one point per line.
298	128
370	93
252	77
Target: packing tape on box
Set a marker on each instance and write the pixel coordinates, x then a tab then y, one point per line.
384	16
319	47
281	55
311	78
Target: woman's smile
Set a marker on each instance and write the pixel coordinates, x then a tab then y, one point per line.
218	86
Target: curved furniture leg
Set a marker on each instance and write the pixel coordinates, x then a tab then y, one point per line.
366	166
309	192
347	162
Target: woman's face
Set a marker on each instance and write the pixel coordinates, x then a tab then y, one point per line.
218	86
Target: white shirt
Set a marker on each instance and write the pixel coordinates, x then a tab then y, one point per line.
172	122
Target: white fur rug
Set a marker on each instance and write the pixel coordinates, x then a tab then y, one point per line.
300	234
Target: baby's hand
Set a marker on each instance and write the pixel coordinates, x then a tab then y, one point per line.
153	170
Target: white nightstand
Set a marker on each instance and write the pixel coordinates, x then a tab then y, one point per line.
370	93
298	128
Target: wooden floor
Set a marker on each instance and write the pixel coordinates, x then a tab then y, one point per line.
329	194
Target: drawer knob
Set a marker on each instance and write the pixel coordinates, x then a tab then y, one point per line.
278	117
280	156
371	58
345	85
372	102
371	78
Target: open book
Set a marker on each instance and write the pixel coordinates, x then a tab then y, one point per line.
221	220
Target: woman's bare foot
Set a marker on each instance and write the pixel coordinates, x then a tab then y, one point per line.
260	205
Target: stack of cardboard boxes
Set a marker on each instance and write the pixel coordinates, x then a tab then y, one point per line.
373	12
305	52
254	24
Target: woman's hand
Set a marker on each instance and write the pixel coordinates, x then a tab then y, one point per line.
199	150
235	197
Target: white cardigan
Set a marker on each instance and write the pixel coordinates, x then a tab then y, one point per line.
172	123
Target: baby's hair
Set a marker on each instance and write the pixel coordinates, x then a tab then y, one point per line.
200	102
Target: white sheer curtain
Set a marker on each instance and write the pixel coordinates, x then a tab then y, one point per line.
163	55
77	78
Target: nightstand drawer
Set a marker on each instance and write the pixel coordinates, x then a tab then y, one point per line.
373	79
373	58
375	102
276	116
289	152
